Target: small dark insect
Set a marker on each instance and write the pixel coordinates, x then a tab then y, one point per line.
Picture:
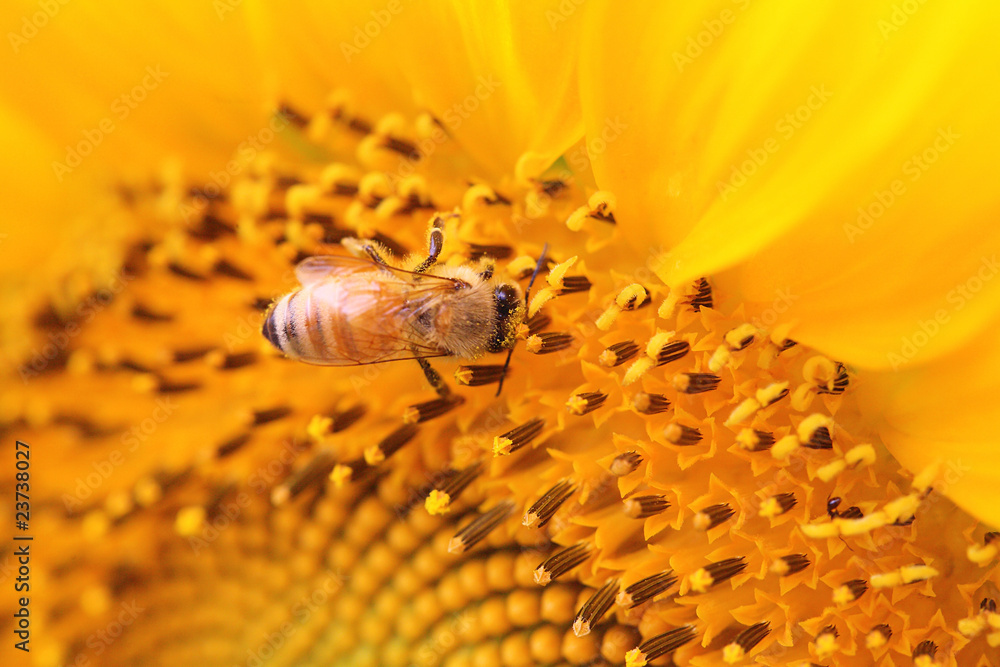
852	512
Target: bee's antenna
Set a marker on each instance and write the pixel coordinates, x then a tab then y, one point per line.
538	267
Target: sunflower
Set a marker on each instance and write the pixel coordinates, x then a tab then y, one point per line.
766	265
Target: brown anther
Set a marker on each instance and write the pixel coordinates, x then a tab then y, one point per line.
571	284
473	532
991	537
479	375
696	383
820	439
791	564
182	271
650	404
753	635
456	483
988	604
681	435
838	385
595	608
142	312
545	507
261	417
165	386
702	297
226	268
548	342
560	563
856	587
232	445
883	629
672	352
725	569
478	251
537	322
828	630
668	642
926	647
786	344
292	115
314	472
640	507
421	412
517	437
190	354
581	404
625	464
617	354
646	589
238	360
390	444
712	516
786	501
342	420
756	440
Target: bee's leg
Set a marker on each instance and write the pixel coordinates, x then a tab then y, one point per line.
434	378
435	242
373	252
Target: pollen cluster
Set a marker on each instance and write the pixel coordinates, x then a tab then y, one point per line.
663	477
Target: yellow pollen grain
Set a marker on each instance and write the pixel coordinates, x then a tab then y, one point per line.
982	554
770	508
438	502
902	508
373	453
720	359
811	424
771	393
558	272
826	645
923	661
744	411
819	370
732	653
577	405
802	397
520	265
909	574
831	470
700	581
533	344
319	428
784	447
635	658
668	307
747	439
340	475
925	479
189	520
820	531
734	337
657	342
875	639
860	456
637	369
972	627
502	445
542	297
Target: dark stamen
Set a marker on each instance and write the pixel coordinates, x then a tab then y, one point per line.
712	516
681	435
545	507
646	589
703	295
261	417
421	412
618	354
595	608
480	527
581	404
560	563
672	352
640	507
650	404
518	437
625	464
314	472
548	342
696	383
794	563
667	642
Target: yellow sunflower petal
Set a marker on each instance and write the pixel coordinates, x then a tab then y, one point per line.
501	77
957	431
840	146
113	86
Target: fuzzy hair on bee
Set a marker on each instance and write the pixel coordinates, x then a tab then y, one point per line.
365	308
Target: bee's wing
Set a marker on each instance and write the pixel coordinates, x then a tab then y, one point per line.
320	267
382	316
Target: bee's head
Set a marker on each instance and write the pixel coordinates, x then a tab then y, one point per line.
509	304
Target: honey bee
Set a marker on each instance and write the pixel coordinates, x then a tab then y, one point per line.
361	309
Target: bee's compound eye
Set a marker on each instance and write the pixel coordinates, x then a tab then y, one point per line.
507	298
